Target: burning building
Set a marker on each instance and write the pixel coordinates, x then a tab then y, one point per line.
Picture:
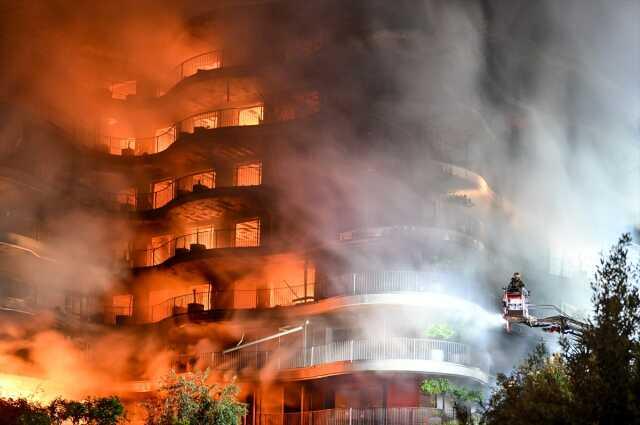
271	191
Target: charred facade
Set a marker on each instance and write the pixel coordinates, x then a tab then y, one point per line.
290	202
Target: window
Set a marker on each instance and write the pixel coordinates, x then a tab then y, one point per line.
249	174
159	250
164	138
123	89
127	198
129	143
248	233
208	120
162	193
251	116
206	179
122	304
202	236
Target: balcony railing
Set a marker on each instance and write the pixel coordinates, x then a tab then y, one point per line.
130	146
113	312
191	183
361	283
381	349
238	299
358	416
373	349
189	67
236	360
229	117
465	225
201	240
385	281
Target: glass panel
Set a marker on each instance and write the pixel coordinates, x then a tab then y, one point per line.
248	233
162	193
205	180
164	138
127	198
249	174
123	89
250	116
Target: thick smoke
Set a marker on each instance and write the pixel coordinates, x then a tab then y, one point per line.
539	98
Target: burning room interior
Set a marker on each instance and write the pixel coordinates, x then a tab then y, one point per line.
293	194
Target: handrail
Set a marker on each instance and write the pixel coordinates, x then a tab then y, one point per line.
239	299
465	231
212	239
178	73
359	416
357	283
370	349
171	131
172	189
226	117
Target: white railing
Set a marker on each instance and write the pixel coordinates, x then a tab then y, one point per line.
347	351
358	416
381	349
379	282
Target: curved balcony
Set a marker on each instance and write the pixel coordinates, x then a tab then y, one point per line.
351	284
244	235
170	190
396	354
463	232
360	416
229	117
235	298
202	62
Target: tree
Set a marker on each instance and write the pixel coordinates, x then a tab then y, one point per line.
462	397
596	377
537	392
189	400
92	411
440	331
604	361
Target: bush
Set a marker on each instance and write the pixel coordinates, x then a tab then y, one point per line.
189	400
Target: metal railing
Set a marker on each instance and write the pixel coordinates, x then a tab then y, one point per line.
190	183
358	416
359	283
393	348
236	360
229	117
198	241
204	61
237	299
381	282
131	146
466	225
112	312
380	349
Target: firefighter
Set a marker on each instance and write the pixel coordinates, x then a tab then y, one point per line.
516	284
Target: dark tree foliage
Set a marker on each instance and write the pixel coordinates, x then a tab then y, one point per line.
603	363
92	411
596	379
537	392
21	411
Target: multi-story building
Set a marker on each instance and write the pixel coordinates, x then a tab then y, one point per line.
278	207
